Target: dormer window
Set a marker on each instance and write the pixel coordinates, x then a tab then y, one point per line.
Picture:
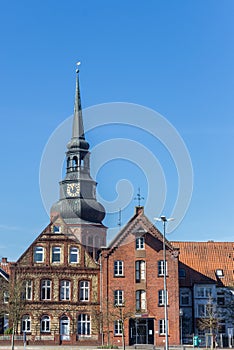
219	273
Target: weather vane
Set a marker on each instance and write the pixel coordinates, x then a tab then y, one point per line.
139	197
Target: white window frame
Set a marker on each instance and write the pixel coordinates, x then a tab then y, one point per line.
84	291
73	255
162	327
140	243
118	297
26	323
56	254
140	299
6	297
203	292
118	268
118	329
38	251
161	297
27	293
45	324
140	271
84	325
65	290
161	269
46	289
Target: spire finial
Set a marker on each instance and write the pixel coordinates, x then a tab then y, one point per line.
139	197
77	128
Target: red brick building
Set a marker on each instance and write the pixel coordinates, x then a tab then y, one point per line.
132	284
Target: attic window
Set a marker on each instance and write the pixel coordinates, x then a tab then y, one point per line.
219	273
57	229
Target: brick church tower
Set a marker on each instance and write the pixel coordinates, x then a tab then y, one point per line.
78	206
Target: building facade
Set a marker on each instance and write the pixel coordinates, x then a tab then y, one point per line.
70	287
133	293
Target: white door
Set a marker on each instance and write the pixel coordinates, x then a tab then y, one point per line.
65	328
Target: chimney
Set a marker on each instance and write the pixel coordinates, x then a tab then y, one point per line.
139	210
4	260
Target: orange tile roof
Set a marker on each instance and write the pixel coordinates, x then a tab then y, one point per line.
202	259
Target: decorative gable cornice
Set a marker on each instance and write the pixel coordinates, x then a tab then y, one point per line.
139	223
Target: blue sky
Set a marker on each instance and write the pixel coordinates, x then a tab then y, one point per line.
175	57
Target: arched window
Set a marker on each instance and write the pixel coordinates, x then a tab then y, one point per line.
74	162
45	324
68	162
26	323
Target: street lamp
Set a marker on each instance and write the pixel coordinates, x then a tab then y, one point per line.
165	220
181	326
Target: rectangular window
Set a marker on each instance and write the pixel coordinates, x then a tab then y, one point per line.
162	328
184	298
56	229
204	292
27	290
74	255
201	310
140	271
38	254
45	290
140	243
161	268
84	291
204	310
6	297
119	297
161	297
65	290
84	324
118	268
140	300
56	254
118	327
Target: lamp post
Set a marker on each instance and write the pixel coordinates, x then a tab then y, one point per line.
181	326
165	220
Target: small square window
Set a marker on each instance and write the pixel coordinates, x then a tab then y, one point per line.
182	273
57	229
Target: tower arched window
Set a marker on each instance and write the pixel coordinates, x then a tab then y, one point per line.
74	162
68	162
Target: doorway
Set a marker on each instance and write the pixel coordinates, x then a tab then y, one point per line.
141	331
64	328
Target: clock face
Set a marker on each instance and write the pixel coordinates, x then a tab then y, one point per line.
73	190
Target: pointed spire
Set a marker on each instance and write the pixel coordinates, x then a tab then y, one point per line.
78	127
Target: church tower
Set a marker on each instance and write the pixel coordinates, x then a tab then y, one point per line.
78	206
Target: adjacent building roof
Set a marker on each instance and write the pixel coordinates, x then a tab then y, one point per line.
5	267
206	262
